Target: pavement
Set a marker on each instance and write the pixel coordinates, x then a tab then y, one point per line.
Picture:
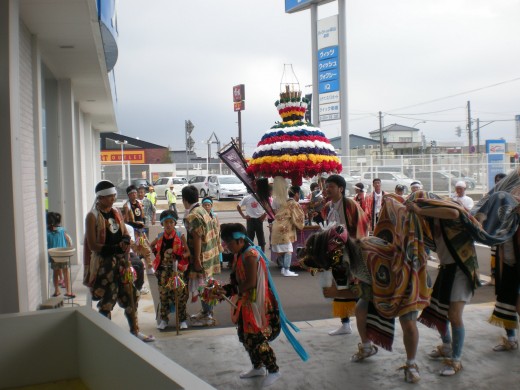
216	356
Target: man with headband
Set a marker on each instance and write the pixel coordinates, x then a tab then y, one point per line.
134	216
110	276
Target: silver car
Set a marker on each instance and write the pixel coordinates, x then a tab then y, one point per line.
226	186
162	185
388	180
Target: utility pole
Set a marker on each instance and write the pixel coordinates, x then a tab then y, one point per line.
478	135
381	135
470	133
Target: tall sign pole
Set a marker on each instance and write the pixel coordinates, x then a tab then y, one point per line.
342	37
188	127
314	48
239	97
329	66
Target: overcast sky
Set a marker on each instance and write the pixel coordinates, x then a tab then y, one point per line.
179	60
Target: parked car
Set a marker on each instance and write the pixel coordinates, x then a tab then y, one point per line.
201	183
388	180
121	187
470	182
226	186
442	181
162	185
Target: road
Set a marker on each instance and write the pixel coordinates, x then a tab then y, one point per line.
301	296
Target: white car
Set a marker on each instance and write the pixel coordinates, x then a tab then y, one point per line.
388	180
201	184
226	186
162	185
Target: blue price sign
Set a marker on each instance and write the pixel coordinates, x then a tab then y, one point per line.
328	75
329	86
327	64
328	52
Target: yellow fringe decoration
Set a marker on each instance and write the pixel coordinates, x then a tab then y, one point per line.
501	323
343	309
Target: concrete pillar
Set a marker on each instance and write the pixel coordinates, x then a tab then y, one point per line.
69	204
9	98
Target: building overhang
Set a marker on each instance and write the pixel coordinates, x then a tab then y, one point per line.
71	46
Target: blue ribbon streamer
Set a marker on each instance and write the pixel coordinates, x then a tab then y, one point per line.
284	322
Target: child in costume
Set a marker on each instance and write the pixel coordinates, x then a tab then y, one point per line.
171	250
256	315
57	237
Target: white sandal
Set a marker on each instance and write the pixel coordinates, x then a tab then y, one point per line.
506	345
411	373
450	368
145	338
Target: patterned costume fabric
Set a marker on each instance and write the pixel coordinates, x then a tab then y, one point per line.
507	286
357	225
391	268
111	277
400	281
256	315
135	213
91	259
112	285
498	213
169	254
148	211
459	235
200	222
288	218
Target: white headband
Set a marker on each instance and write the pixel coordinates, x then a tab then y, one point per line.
107	191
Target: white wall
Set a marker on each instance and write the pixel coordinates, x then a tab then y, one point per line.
54	345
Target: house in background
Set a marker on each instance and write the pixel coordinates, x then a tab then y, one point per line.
403	140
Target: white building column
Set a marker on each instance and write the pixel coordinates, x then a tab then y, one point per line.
62	163
9	89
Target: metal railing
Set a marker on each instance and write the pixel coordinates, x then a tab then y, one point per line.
472	167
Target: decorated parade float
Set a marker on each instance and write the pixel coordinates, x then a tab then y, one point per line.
293	149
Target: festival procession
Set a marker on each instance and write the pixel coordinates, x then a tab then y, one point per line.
368	254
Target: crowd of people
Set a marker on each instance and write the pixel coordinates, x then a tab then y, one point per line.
359	227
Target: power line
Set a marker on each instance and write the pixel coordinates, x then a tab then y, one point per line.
434	112
448	121
458	94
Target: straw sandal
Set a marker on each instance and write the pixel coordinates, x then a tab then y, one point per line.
363	353
451	367
411	373
506	345
440	352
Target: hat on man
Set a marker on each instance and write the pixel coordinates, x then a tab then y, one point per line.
399	187
171	185
461	184
359	186
415	184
